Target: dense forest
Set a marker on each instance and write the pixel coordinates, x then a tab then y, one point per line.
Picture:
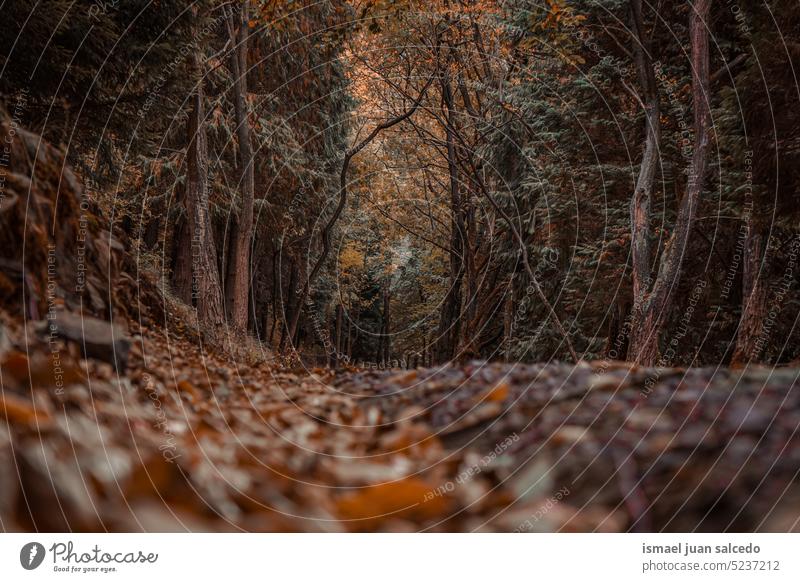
361	185
401	183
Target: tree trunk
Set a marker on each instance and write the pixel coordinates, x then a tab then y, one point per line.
450	317
649	324
229	267
241	262
470	314
387	345
642	195
274	299
272	327
207	288
508	321
290	304
182	262
756	291
349	344
618	329
337	336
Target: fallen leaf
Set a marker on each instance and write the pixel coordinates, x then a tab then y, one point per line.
17	410
498	393
410	498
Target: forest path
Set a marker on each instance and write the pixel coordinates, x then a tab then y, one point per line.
184	441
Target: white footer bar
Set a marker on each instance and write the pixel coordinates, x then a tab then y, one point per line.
399	557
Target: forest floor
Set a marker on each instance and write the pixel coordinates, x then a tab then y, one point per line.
191	440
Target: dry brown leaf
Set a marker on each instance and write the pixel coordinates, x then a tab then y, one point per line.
406	499
498	393
42	371
186	387
17	410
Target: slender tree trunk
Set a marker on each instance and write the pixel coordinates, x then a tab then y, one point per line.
272	328
387	345
642	195
274	300
152	231
755	296
379	351
207	286
241	262
349	348
182	261
229	269
649	324
508	321
619	329
450	317
270	325
339	331
337	342
290	305
470	314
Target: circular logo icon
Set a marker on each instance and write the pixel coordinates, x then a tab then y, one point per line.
31	555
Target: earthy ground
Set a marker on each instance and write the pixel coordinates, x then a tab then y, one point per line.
186	440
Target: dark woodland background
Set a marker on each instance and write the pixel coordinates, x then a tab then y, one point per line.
404	183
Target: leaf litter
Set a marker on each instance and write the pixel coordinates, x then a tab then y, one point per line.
191	440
